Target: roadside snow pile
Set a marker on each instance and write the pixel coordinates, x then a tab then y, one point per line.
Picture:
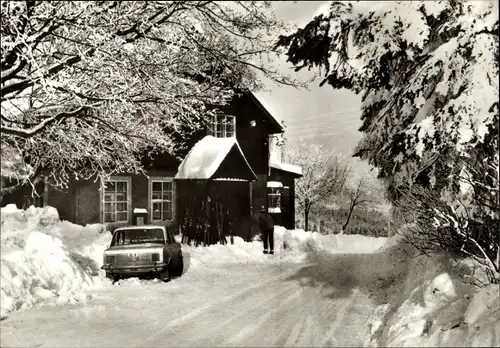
45	260
297	242
424	302
289	245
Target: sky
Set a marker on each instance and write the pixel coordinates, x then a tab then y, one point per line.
321	114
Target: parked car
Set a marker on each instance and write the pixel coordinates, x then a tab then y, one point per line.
143	250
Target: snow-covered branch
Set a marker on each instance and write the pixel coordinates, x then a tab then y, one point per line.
87	90
31	132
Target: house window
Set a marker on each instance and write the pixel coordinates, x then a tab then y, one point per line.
162	199
223	126
116	200
274	197
274	190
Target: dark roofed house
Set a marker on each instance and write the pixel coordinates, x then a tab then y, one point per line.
281	192
227	172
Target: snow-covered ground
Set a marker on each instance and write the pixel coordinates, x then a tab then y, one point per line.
423	301
290	246
317	290
45	260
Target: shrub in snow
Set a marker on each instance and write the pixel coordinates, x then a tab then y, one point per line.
45	260
430	305
484	302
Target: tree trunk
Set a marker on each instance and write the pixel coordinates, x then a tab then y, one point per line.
306	220
354	202
348	217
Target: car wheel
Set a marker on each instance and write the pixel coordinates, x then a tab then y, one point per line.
179	269
164	275
113	277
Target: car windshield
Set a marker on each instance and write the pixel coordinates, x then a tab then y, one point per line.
138	235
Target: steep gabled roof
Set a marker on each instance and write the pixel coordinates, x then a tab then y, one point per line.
206	160
275	125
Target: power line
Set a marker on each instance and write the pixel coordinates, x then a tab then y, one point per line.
298	122
325	115
313	127
320	135
345	130
336	125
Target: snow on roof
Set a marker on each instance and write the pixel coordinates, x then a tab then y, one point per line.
274	184
206	156
258	102
286	167
229	179
141	227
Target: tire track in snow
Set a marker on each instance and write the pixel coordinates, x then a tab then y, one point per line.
289	328
307	331
276	326
250	330
205	309
294	323
312	328
245	312
338	319
297	316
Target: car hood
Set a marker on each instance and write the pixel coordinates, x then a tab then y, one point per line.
134	248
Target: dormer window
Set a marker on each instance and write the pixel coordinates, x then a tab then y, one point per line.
222	126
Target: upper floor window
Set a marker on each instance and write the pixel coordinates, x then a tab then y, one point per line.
223	126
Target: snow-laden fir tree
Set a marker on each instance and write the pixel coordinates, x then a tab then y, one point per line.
428	74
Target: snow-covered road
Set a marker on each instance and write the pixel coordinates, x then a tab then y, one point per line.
272	304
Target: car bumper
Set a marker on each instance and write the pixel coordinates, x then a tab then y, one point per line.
133	269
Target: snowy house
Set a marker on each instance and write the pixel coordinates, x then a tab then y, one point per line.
229	163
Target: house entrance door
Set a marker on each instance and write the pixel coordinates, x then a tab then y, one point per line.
233	198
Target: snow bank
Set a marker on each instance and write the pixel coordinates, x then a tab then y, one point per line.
289	246
428	304
45	260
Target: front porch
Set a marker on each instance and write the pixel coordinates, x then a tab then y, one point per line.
214	192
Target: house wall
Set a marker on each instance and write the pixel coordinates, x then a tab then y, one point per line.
87	201
81	201
259	193
64	201
287	217
253	140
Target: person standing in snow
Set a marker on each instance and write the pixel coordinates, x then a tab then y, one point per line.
266	225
